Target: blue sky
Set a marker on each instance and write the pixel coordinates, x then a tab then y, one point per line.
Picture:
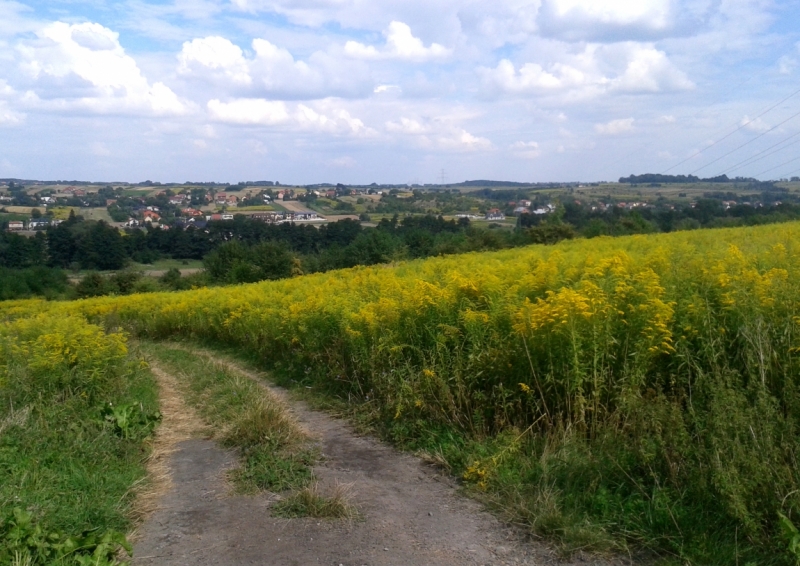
357	91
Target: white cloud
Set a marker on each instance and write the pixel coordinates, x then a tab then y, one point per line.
249	111
598	69
261	112
526	150
787	65
344	162
270	70
650	70
652	13
394	89
615	20
437	134
8	117
406	126
215	54
89	58
100	149
615	127
757	125
400	44
532	78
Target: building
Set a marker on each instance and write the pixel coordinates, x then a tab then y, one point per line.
15	225
495	214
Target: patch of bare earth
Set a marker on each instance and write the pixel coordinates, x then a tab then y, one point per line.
179	423
410	514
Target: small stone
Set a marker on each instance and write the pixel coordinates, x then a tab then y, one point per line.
385	549
430	514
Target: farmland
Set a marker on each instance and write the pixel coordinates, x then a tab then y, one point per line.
635	392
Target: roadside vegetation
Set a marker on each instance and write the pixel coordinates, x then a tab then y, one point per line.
76	412
275	453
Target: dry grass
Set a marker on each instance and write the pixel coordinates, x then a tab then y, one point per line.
179	422
311	502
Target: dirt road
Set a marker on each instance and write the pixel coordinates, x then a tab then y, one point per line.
411	514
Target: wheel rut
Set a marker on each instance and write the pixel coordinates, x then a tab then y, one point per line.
410	513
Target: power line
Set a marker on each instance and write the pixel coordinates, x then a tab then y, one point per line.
731	133
762	134
752	159
777	166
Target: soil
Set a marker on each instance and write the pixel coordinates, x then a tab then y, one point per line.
410	514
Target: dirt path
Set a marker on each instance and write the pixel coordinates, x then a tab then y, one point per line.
412	515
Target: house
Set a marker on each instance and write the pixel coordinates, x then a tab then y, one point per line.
521	210
177	199
38	224
132	223
268	217
541	211
15	225
308	215
150	216
525	203
192	212
79	193
226	200
495	214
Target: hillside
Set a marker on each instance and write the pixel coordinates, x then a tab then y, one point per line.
610	393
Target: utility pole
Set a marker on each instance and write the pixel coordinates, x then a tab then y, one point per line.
443	178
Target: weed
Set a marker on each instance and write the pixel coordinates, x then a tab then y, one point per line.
310	502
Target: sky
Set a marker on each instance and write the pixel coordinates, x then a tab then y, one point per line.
408	91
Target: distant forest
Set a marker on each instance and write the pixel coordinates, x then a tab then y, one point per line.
658	178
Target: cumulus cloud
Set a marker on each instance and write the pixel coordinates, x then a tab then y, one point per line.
89	57
400	44
270	70
754	125
8	117
597	69
650	70
215	55
525	150
261	112
615	127
437	134
344	162
595	19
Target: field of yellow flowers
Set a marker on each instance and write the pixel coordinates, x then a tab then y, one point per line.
640	390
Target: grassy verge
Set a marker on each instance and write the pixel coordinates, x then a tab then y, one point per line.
73	440
275	453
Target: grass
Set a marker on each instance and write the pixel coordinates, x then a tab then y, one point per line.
275	453
71	457
166	264
310	502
